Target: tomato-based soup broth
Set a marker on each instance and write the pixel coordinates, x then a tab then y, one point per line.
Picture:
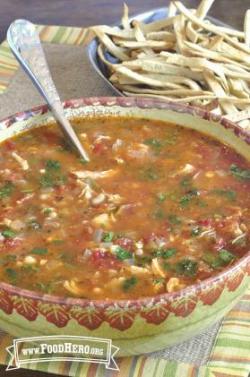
158	207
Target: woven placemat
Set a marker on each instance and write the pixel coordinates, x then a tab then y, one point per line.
210	351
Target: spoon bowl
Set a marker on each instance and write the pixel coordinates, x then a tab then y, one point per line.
25	44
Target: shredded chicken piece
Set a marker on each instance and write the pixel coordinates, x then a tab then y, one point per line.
104	220
174	284
139	151
29	259
27	197
240	238
117	144
139	248
157	269
73	288
139	271
43	262
98	290
115	283
114	198
211	233
235	227
119	160
87	192
13	224
95	174
102	137
187	169
99	199
23	163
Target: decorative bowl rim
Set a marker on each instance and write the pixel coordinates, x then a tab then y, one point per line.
147	103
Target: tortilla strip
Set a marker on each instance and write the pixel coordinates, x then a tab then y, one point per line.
212	28
141	38
158	25
152	65
148	43
161	35
198	50
179	28
115	31
183	58
118	52
125	20
231	52
156	79
218	90
198	63
247	28
172	9
121	80
172	92
192	33
204	8
101	55
237	88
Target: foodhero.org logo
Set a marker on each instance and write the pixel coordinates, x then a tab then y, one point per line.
62	348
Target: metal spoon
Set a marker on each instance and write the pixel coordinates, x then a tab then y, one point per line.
25	44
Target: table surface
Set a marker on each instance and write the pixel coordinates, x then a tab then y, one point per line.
90	12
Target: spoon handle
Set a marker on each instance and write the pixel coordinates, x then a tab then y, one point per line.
25	44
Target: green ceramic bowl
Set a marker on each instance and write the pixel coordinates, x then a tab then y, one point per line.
135	326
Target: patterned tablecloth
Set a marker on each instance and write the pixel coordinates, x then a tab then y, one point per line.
222	350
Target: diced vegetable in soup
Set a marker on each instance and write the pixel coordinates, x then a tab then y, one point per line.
159	207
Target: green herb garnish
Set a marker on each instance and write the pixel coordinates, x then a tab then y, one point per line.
186	199
30	268
53	165
150	174
6	190
229	194
122	254
174	220
186	267
108	236
51	180
57	242
168	267
52	176
158	214
5	259
12	275
153	143
158	281
185	182
165	253
39	251
221	259
239	173
161	196
8	233
47	211
129	283
44	287
226	256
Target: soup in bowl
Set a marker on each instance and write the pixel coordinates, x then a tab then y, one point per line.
150	238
